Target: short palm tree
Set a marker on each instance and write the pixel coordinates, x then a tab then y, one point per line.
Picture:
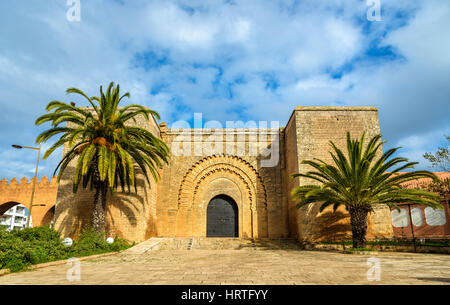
104	143
361	180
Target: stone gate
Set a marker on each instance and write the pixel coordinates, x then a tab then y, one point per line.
232	162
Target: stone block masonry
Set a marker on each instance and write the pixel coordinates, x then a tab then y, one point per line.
177	206
308	133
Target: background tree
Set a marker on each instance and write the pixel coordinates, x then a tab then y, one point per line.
359	181
104	143
440	159
440	186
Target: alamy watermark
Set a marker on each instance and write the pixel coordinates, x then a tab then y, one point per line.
237	138
74	12
73	274
374	11
374	272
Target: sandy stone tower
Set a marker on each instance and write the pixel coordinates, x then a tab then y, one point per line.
232	182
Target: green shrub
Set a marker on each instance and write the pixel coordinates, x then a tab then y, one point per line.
38	234
91	242
20	249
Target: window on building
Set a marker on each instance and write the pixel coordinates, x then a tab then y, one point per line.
20	210
435	217
416	215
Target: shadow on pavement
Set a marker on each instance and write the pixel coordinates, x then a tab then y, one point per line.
434	279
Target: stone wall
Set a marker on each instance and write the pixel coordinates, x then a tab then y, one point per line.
14	193
308	133
208	162
426	222
205	164
291	141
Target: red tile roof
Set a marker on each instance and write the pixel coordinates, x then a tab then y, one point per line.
422	181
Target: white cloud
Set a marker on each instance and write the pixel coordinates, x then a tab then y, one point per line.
426	39
414	146
248	60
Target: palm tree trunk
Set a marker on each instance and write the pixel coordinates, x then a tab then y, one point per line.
101	190
358	220
98	216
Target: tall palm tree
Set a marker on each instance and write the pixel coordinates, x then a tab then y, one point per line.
359	181
105	144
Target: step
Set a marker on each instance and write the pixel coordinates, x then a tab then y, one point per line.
214	243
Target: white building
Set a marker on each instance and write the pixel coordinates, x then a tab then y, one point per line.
15	218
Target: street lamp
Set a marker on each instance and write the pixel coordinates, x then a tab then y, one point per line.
411	224
35	177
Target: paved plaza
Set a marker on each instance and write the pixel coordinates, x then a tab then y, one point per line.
238	261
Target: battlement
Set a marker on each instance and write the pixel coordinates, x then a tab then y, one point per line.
14	192
45	182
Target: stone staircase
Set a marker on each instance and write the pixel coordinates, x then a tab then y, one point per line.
210	243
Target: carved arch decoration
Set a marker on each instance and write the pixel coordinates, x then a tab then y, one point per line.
222	175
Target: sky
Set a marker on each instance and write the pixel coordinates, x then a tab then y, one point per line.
230	60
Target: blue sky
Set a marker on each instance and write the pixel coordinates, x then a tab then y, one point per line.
230	60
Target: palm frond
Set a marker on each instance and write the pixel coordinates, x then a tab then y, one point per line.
359	178
102	141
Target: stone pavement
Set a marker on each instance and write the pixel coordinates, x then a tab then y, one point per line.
208	261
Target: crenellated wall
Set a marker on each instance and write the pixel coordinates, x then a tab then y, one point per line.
14	192
203	166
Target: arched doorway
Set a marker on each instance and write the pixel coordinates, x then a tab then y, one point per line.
222	217
14	216
221	175
48	217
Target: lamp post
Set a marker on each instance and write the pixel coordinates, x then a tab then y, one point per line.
412	229
35	177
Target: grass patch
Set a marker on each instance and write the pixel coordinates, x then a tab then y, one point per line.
393	243
359	249
21	248
344	242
